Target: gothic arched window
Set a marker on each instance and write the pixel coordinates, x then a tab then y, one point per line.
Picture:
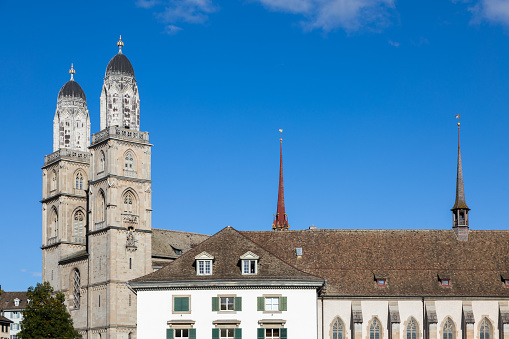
53	230
102	162
374	329
448	329
101	207
411	329
76	294
79	181
79	219
338	329
53	183
484	330
129	161
129	203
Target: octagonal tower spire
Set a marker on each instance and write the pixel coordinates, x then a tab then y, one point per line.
460	208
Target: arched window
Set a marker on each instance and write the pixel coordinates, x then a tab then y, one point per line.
79	219
101	207
76	282
53	184
129	203
129	162
374	329
338	329
102	162
411	329
448	329
130	336
53	221
79	181
484	330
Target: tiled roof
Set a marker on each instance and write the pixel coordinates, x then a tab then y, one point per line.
226	247
5	320
165	242
410	260
7	300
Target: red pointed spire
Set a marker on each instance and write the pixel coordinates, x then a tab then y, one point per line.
280	219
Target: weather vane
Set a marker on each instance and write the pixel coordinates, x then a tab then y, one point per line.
458	117
281	131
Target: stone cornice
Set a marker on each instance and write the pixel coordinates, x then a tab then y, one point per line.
58	195
107	228
218	284
120	177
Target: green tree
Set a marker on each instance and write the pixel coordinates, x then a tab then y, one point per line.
46	315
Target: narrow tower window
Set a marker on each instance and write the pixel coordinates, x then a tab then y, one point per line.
129	203
53	184
79	218
102	162
129	161
76	282
79	181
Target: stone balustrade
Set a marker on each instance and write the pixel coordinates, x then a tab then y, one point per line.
67	154
120	133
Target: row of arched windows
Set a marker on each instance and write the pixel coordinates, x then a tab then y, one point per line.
448	329
129	162
79	180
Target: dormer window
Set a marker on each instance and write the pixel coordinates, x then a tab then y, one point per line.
381	282
204	263
16	302
506	282
249	263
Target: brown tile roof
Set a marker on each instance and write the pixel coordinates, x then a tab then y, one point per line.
165	242
410	260
227	246
7	300
5	320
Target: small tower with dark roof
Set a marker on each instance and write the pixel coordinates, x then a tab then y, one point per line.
460	208
71	125
120	102
280	219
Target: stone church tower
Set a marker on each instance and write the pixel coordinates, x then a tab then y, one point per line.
97	232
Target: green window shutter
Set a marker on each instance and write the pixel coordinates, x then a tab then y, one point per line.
238	333
215	304
261	333
192	333
261	304
215	333
238	303
181	304
282	331
283	304
169	333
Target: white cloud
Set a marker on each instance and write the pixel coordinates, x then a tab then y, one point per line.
37	274
394	43
172	29
325	15
331	14
147	3
496	11
23	270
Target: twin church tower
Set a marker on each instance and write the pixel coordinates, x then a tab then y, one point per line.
96	204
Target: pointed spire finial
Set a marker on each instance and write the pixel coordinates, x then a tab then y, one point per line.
120	44
281	218
460	208
72	71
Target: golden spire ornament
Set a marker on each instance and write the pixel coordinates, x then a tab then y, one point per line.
72	71
120	44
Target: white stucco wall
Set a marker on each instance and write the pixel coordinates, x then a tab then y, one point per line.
155	310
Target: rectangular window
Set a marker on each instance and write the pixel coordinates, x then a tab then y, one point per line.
506	283
227	304
446	282
272	304
181	304
272	333
182	333
226	333
204	267
381	283
249	267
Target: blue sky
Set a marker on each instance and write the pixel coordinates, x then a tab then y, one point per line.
365	90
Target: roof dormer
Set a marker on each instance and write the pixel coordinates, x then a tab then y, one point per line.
204	263
249	264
